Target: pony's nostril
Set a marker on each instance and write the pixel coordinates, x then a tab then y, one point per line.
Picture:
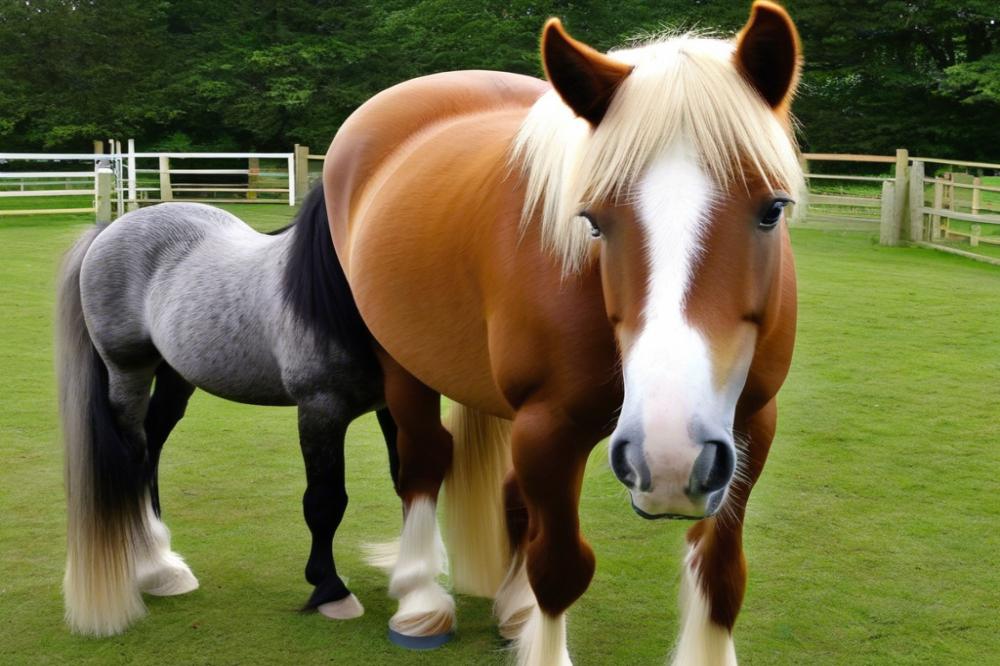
713	468
619	463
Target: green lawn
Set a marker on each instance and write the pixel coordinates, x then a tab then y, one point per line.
872	537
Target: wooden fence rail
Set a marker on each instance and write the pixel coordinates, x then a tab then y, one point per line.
850	209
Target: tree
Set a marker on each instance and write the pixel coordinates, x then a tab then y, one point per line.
185	74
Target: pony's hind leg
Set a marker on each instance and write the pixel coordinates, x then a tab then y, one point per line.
171	393
390	432
323	424
426	613
161	571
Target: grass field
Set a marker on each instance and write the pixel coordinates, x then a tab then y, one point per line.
872	537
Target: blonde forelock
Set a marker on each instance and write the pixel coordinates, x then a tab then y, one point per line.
682	88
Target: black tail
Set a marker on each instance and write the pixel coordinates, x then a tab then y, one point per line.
315	285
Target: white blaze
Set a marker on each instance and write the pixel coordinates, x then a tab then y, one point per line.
668	372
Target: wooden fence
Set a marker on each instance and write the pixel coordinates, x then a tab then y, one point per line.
947	206
308	169
921	200
858	201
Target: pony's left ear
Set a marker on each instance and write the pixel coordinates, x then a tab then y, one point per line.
585	78
768	53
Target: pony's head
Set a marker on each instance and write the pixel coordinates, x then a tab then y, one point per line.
670	164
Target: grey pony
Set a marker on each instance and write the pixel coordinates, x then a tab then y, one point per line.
181	296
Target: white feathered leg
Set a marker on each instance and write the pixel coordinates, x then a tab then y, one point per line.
542	641
514	601
425	608
160	571
702	642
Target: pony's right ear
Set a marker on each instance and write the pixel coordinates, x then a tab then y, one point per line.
769	54
585	79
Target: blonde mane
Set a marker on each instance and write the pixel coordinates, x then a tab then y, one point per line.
682	88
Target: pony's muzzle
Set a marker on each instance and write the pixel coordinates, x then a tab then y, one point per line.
691	485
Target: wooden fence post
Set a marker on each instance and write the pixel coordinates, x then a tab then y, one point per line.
902	164
888	223
977	195
98	147
936	219
975	231
798	211
102	204
253	176
301	172
166	193
916	201
131	203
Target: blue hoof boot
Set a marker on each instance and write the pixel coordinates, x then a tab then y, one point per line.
419	642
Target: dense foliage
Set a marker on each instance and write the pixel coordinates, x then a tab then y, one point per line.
262	74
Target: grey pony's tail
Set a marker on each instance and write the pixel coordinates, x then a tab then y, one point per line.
105	474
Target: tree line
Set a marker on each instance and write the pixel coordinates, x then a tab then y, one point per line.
263	74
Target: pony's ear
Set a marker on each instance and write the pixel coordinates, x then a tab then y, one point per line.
585	79
768	54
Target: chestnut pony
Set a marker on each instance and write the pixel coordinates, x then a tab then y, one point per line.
599	254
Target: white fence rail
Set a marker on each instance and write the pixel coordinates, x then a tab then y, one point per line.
18	187
141	178
152	177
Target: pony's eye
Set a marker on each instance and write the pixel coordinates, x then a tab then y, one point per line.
773	214
595	231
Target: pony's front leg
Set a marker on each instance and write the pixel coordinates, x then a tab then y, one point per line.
715	572
549	460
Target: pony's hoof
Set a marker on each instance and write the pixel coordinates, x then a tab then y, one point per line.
169	581
347	608
419	642
425	613
511	627
437	622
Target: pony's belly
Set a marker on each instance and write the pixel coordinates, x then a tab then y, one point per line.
239	387
234	372
426	314
217	339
